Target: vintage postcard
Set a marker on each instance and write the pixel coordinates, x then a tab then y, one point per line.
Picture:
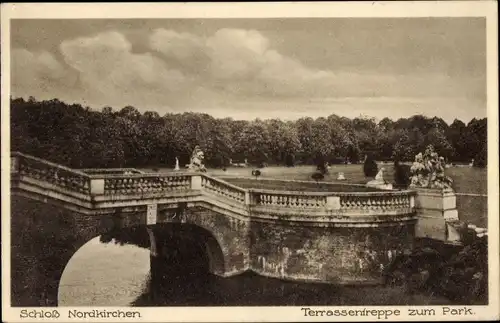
234	162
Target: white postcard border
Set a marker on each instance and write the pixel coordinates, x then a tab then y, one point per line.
486	9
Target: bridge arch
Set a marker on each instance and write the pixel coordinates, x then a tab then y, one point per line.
46	237
137	256
208	247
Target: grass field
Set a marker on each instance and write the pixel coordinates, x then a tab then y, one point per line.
466	180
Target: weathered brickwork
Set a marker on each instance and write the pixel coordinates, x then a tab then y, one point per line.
43	239
328	254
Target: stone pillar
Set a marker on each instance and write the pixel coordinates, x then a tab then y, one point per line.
248	198
437	210
333	202
14	164
151	214
96	186
196	182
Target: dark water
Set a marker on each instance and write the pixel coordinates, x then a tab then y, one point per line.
120	275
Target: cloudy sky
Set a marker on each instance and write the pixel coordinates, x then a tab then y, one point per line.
265	68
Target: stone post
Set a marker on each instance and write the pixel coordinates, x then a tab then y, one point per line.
248	198
96	186
151	214
333	202
196	182
436	211
14	164
412	201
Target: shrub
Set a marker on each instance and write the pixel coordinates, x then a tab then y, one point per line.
290	160
317	176
321	164
481	159
370	167
256	173
401	174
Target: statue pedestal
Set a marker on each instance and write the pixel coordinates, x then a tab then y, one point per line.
437	213
379	185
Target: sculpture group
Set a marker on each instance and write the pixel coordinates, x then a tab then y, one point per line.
428	171
196	162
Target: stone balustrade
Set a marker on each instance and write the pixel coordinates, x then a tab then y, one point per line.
104	183
288	199
223	189
111	171
376	201
51	173
145	183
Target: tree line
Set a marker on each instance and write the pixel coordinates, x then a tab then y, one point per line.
80	137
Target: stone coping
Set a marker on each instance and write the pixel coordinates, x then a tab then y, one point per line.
379	193
272	179
93	171
223	182
320	194
48	163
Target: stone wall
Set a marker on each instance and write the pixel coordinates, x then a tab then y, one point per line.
327	254
43	239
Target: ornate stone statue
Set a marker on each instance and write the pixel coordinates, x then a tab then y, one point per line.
428	171
196	163
380	175
379	181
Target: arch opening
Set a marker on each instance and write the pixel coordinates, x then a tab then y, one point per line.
189	247
186	254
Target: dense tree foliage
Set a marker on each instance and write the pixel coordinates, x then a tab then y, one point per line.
78	136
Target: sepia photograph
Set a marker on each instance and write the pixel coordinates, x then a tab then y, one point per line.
311	162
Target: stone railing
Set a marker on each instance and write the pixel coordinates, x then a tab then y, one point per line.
143	183
288	199
42	170
223	189
333	204
107	185
111	171
377	201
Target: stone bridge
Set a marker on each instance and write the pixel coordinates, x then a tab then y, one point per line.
337	237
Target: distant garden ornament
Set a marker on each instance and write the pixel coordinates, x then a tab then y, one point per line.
428	171
177	168
196	163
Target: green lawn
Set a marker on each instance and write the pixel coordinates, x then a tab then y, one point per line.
466	180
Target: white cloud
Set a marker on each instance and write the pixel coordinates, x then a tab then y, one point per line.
35	71
110	71
230	69
243	62
239	61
